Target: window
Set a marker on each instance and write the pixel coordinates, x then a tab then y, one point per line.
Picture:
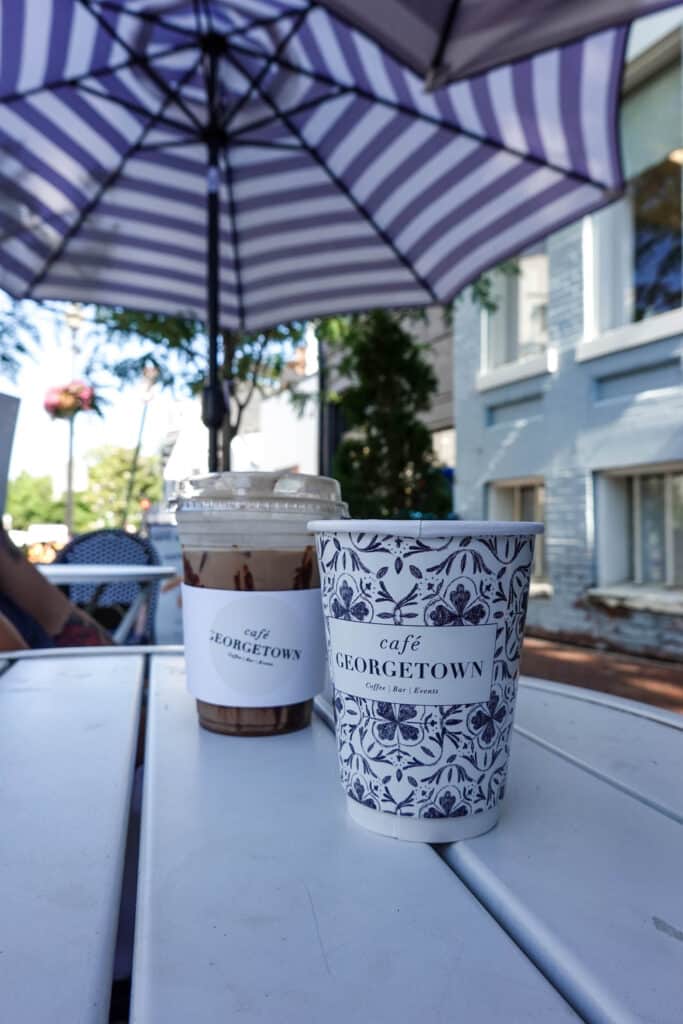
521	501
638	252
635	269
658	528
518	328
443	445
640	528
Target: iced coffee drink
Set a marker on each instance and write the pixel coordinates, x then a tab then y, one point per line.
251	602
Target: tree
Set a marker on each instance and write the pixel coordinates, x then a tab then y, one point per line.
18	336
108	478
30	500
175	347
386	465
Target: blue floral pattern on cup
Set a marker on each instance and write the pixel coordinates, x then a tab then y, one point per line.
429	761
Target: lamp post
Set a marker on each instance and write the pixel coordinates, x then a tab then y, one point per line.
150	374
74	319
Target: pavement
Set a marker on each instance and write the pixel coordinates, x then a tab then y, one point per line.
645	679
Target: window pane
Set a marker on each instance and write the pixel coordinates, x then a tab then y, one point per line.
656	198
527	510
532	288
652	529
501	502
532	509
677	495
630	556
519	326
501	340
443	445
538	570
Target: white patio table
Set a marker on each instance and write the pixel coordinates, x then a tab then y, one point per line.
258	898
64	575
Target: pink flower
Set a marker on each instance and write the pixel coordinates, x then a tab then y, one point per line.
65	401
51	403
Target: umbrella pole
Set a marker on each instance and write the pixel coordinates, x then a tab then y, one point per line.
213	415
213	403
212	308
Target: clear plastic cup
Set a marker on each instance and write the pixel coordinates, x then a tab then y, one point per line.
253	628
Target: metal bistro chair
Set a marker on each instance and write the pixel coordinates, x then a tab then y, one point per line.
108	602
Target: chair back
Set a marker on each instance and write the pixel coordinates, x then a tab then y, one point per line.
112	547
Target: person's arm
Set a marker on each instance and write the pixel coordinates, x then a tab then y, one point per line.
29	590
80	630
10	637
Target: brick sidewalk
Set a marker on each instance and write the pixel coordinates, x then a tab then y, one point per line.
654	682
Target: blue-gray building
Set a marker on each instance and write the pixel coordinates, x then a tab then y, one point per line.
569	396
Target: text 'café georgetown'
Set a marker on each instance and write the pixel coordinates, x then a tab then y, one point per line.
409	669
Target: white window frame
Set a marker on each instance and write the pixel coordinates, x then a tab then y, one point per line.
539	568
668	528
595	343
668	471
521	368
450	463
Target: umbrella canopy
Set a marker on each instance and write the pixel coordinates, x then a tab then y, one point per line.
341	184
256	161
449	39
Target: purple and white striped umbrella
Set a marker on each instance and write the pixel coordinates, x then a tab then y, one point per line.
335	182
342	184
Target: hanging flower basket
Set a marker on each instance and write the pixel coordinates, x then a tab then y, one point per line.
62	403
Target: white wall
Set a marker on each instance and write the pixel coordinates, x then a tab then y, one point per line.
646	31
285	439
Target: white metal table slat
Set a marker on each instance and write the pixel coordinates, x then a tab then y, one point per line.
105	653
65	574
259	897
68	730
601	737
588	881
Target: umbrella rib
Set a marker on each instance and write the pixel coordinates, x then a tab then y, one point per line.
133	107
156	147
435	64
145	64
152	19
266	144
197	17
260	23
233	140
110	180
454	129
265	68
232	212
209	16
274	118
344	189
76	80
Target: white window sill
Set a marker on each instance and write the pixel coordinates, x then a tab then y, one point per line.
540	588
639	598
655	328
508	373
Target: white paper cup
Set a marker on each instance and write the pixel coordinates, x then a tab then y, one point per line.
424	624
